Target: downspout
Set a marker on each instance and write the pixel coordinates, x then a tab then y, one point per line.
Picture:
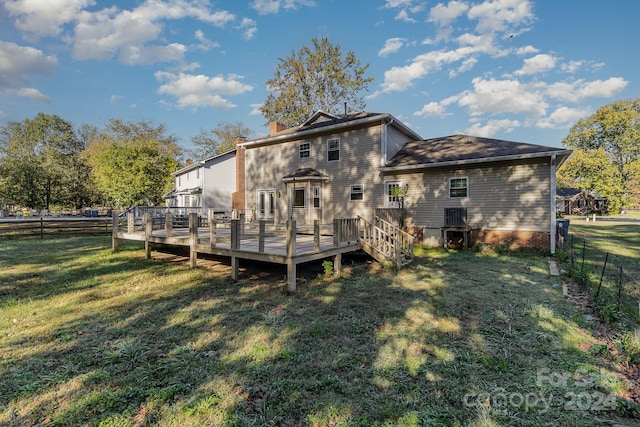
552	185
384	142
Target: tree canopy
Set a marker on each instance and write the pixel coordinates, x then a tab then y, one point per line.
132	162
606	154
40	163
218	140
315	78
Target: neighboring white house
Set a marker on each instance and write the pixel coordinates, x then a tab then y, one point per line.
207	184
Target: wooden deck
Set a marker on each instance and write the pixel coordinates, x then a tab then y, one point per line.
283	244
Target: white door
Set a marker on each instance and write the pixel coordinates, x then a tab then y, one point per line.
266	205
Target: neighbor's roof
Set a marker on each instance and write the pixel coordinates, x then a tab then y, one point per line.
462	149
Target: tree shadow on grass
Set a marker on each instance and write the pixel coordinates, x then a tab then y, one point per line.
374	346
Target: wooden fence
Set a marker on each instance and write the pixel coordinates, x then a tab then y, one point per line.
50	226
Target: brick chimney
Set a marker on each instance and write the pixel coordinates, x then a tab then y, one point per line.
238	201
275	127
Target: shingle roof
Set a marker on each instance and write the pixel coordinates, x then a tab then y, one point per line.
457	148
305	173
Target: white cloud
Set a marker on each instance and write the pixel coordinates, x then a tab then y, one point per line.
578	90
205	43
571	66
201	91
129	34
17	62
250	28
44	17
467	65
391	46
537	64
432	109
527	50
503	96
501	15
114	98
563	117
492	127
255	110
268	7
443	15
26	92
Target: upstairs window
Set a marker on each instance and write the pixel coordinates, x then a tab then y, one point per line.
333	149
458	187
304	150
357	192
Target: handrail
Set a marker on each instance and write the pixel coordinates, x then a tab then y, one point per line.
388	239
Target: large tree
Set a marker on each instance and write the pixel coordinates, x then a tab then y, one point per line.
132	162
607	153
315	78
40	163
218	140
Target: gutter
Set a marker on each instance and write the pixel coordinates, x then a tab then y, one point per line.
559	153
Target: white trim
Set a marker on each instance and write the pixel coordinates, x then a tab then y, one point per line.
308	150
466	187
387	203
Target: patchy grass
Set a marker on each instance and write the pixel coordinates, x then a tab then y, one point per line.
92	337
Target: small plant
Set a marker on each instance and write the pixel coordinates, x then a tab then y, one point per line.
328	268
582	275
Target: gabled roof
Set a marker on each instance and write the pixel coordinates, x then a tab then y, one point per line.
465	149
567	192
305	174
324	122
196	165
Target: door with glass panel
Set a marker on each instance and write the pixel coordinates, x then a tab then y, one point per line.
266	206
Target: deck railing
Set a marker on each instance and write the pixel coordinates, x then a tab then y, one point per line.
388	239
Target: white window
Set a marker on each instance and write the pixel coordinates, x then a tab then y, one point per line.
316	197
357	192
298	197
458	187
305	150
333	149
391	189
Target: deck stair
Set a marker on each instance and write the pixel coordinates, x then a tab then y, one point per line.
385	241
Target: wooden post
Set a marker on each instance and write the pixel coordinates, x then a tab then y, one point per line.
316	235
212	228
148	228
130	222
168	224
291	251
337	264
336	233
115	224
261	228
235	243
193	239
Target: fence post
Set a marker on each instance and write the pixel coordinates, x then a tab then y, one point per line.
291	251
193	239
584	249
115	224
148	228
168	224
619	288
606	258
261	228
212	228
316	235
41	228
337	237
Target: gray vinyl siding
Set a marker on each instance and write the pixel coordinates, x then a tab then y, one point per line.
220	182
359	164
500	196
395	141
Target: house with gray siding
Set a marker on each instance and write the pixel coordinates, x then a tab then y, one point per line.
206	184
360	164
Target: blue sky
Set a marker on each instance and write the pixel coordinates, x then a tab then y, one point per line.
521	70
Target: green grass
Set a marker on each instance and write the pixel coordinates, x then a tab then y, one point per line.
91	337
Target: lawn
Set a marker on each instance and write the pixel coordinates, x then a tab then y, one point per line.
92	337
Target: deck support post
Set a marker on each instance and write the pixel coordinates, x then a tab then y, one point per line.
147	220
291	251
235	243
337	264
193	239
261	228
316	235
168	224
114	230
212	227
